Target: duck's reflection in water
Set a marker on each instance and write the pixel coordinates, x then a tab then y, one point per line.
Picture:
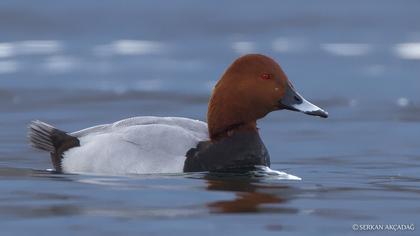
251	196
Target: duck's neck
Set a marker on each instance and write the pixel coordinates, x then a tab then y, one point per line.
229	130
228	115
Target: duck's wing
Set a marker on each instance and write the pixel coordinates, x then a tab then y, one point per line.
195	126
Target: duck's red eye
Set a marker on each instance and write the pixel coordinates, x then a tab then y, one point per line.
266	76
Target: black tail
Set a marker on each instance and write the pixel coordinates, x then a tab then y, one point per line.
48	138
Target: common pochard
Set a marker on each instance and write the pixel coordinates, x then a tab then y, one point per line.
251	87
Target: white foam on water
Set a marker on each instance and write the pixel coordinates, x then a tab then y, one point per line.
243	47
403	102
30	47
61	64
346	49
265	171
6	50
39	47
408	50
129	47
285	45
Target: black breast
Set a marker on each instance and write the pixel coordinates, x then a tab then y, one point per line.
237	153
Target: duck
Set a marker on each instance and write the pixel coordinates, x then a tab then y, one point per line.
250	88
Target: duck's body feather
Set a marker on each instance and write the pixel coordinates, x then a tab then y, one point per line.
135	145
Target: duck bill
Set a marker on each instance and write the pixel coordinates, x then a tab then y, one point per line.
293	101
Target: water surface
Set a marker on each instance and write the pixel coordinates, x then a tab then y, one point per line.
78	64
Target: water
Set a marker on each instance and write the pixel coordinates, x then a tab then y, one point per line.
77	64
